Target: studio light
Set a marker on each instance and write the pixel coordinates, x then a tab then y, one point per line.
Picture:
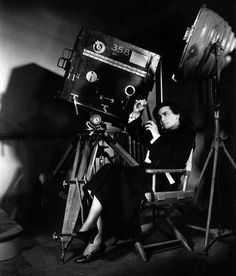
208	44
198	60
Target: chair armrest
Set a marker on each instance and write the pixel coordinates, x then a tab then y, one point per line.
156	171
173	195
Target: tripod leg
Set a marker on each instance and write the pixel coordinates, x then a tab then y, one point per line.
197	189
92	162
75	195
74	198
205	167
213	178
122	152
228	155
72	194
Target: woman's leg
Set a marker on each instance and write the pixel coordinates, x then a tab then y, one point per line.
93	216
98	237
97	240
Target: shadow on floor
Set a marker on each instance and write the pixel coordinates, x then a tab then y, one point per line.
41	256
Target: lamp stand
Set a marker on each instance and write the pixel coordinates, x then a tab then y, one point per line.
217	145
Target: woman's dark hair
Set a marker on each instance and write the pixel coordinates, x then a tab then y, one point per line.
173	106
184	121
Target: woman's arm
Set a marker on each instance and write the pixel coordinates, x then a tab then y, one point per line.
135	126
172	149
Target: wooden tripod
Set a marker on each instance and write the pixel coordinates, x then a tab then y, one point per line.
82	171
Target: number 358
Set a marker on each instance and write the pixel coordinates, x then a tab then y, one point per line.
120	49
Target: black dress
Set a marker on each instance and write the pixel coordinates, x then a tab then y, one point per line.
120	189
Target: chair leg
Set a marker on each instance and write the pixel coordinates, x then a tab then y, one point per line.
140	251
178	234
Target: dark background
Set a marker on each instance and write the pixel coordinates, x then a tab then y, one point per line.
36	128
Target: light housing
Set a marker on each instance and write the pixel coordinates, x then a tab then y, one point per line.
198	60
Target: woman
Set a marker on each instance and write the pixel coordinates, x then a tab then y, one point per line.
119	190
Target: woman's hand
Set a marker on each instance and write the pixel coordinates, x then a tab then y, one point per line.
148	196
150	125
139	106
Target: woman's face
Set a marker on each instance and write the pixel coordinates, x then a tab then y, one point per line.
167	118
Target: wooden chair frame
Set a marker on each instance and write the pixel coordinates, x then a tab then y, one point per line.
171	199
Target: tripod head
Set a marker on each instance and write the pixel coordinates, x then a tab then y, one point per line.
96	125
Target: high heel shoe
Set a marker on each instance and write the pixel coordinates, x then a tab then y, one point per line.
86	236
97	253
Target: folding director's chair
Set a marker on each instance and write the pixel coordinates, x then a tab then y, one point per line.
162	205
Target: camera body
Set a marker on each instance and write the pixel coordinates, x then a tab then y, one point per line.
105	75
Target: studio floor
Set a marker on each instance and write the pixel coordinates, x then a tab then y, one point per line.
40	255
